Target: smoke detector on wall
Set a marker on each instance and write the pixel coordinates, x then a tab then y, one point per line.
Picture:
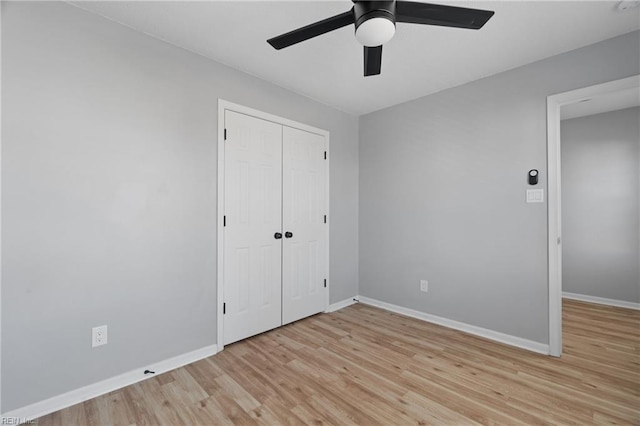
628	4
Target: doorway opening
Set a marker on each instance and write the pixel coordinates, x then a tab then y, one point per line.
575	100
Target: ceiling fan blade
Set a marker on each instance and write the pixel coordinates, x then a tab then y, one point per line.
372	60
435	14
312	30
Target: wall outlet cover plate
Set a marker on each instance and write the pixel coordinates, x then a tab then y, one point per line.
98	336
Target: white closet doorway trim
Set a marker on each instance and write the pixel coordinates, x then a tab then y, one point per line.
224	106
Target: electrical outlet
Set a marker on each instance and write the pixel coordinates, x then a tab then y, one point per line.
98	336
424	285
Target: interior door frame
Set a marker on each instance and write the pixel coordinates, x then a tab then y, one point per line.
554	104
223	106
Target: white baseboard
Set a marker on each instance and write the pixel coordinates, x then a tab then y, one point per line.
342	304
85	393
467	328
601	300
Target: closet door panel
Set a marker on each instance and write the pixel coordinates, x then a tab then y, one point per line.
253	213
304	266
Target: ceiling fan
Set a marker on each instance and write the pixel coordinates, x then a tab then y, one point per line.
375	23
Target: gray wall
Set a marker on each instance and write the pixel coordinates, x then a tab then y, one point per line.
442	192
600	205
109	196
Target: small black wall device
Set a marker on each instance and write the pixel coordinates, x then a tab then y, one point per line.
533	177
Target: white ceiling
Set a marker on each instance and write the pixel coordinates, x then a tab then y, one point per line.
418	61
613	101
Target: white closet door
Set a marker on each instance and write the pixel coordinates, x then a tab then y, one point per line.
304	267
253	214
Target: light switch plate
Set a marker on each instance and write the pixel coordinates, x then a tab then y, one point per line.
535	195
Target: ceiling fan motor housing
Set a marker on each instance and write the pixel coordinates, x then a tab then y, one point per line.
374	21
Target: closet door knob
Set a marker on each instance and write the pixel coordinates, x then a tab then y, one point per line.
277	236
288	234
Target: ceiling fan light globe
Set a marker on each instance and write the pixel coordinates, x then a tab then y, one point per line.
375	32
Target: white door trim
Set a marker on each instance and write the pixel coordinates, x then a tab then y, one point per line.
226	105
0	212
554	103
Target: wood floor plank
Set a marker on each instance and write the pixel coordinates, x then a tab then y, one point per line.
365	366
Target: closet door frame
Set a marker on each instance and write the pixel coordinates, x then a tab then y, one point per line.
223	106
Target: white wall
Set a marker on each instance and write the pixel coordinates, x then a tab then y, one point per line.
600	205
109	196
442	192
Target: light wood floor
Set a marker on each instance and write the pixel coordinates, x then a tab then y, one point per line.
366	366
